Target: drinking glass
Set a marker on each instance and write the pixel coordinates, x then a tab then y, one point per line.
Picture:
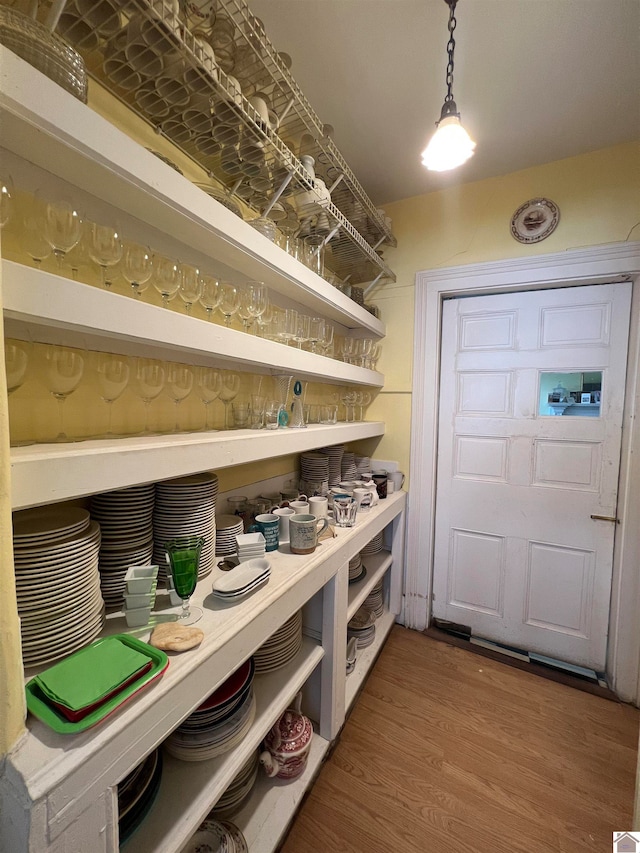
241	413
348	399
147	382
64	369
314	253
348	350
105	248
265	320
209	385
375	355
364	347
190	287
302	329
244	312
287	325
16	361
137	267
364	399
6	199
229	301
256	416
210	294
178	386
61	226
34	242
184	556
255	297
316	332
112	373
166	279
228	392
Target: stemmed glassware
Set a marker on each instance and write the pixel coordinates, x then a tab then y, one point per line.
229	301
228	392
166	279
6	199
64	369
209	385
265	319
61	226
33	238
287	325
210	294
184	556
327	339
112	372
316	332
179	383
364	399
254	299
105	248
190	288
348	398
147	382
137	267
16	361
302	329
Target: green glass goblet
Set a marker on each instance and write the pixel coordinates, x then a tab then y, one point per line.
184	556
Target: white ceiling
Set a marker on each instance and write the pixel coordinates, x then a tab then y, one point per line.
535	80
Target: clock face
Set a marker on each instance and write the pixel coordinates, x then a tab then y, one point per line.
535	220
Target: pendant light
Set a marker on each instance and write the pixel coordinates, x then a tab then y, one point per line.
450	146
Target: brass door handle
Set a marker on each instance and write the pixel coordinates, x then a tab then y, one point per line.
610	518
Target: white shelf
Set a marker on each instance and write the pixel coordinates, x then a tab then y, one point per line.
91	318
265	816
47	473
50	128
366	657
377	566
189	790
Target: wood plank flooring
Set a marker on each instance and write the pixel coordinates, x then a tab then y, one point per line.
447	751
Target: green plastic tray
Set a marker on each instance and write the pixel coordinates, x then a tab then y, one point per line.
58	722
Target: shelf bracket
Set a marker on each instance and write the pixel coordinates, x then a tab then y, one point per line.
53	16
368	289
380	241
331	235
277	194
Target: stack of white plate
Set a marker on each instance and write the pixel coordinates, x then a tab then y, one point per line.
374	546
220	723
244	579
126	522
250	546
186	506
218	836
227	528
239	789
281	647
57	581
335	462
348	466
314	466
374	601
356	570
362	627
363	467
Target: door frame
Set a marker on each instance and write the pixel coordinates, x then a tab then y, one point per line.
594	265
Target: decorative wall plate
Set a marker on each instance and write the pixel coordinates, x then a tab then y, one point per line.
535	220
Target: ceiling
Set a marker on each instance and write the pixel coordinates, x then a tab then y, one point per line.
535	80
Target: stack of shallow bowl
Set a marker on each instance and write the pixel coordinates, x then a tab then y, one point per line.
220	836
374	546
356	570
362	627
374	601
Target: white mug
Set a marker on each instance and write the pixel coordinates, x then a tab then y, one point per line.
319	506
301	507
363	498
284	514
398	479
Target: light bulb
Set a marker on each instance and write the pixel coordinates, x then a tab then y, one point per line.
449	147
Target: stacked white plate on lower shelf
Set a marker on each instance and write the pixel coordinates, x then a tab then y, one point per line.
186	506
374	546
281	647
356	570
220	722
126	523
335	462
227	528
374	601
217	836
239	789
57	581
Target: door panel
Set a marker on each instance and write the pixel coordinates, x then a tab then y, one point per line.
517	555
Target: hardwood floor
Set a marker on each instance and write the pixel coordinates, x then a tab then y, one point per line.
449	751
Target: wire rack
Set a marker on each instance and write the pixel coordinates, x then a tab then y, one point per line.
204	74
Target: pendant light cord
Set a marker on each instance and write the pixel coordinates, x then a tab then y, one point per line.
451	46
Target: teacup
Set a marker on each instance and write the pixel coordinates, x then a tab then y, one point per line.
300	507
319	506
268	524
304	530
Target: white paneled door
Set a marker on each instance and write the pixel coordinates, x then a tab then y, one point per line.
518	555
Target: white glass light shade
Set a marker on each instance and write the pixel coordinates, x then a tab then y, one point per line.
449	147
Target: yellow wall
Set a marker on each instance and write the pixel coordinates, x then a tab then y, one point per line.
599	199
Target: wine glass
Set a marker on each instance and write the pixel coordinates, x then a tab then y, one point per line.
316	332
137	267
265	319
179	383
166	279
228	392
105	248
16	361
244	310
6	199
209	385
184	556
229	301
287	325
147	382
190	288
34	242
112	373
64	369
210	294
364	399
255	298
327	339
348	399
302	329
62	227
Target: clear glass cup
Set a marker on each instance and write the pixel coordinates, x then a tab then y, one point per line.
178	385
316	332
64	370
229	301
256	415
302	329
209	385
287	325
210	294
314	253
32	236
16	361
271	414
137	267
166	278
105	248
228	392
112	374
147	381
6	199
62	226
241	412
190	288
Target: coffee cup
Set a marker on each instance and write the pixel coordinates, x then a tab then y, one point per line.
301	506
268	524
390	487
345	513
398	479
319	506
380	480
304	530
362	498
284	513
